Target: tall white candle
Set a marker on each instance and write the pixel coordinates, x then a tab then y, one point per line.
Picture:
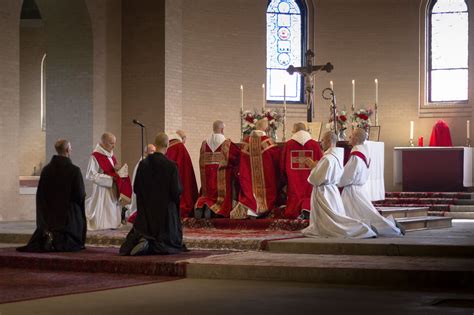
331	85
242	98
284	97
353	94
376	91
468	129
263	97
412	125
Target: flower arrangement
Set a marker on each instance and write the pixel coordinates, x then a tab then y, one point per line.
341	119
250	118
361	118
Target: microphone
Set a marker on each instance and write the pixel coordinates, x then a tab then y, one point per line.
136	122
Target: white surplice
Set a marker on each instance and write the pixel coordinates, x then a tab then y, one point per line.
356	199
327	218
215	140
103	210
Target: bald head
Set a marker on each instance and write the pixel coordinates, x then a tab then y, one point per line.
162	142
182	135
107	141
218	126
358	136
262	124
149	149
63	147
329	140
299	126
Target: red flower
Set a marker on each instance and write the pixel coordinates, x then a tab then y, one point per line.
249	119
343	118
363	116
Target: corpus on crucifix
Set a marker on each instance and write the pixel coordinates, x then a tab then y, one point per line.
308	71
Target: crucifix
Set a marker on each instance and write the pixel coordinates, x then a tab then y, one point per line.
308	72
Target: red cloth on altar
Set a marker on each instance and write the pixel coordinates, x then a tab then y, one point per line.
259	176
296	173
217	171
178	153
441	136
124	184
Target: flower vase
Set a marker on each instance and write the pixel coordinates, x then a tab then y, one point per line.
341	135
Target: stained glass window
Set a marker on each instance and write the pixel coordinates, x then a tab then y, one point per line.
448	46
285	40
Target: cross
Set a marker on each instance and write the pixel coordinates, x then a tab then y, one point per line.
308	72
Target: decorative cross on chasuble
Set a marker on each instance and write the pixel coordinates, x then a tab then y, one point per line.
308	72
298	158
213	157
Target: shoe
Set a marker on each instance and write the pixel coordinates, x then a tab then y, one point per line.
198	213
207	213
304	215
141	248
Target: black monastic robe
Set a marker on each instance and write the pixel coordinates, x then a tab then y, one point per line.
60	214
158	189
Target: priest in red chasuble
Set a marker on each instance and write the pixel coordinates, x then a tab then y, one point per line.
178	153
218	160
258	174
295	172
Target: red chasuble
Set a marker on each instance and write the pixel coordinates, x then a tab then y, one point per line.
217	170
296	172
178	153
124	185
259	176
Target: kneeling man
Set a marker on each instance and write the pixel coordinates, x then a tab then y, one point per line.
327	217
354	196
157	229
60	216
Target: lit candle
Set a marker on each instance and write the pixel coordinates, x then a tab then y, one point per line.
331	84
284	98
412	125
468	129
376	91
264	97
242	98
353	94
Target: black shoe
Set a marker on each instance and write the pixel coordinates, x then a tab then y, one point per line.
141	248
304	215
198	213
124	211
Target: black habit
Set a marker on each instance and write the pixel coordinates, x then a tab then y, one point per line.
157	228
60	214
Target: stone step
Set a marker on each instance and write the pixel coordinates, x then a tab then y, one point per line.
407	194
435	207
423	201
425	222
464	202
403	212
461	208
336	269
462	215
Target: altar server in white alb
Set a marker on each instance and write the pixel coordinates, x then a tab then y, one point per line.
103	207
355	196
327	216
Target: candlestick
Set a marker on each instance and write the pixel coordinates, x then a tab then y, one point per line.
353	95
284	112
242	98
412	125
331	85
263	98
376	91
468	129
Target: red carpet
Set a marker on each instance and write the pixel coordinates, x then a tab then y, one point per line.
24	284
96	259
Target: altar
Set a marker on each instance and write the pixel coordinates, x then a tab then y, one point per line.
432	168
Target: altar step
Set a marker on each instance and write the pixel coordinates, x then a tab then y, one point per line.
403	212
452	195
425	223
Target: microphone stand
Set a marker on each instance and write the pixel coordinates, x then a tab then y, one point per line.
141	129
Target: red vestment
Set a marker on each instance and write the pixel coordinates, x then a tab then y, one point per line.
440	136
259	176
295	170
124	185
178	153
217	170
